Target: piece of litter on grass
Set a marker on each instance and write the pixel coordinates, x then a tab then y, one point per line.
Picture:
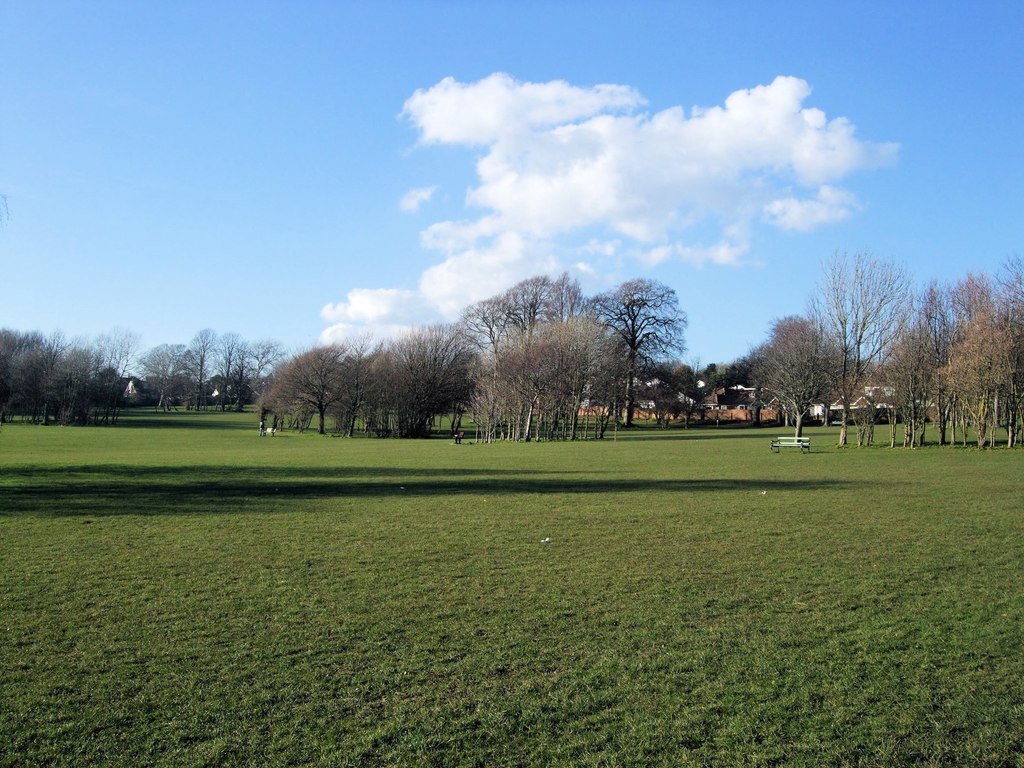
546	541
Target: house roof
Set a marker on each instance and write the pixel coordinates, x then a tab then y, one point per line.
733	397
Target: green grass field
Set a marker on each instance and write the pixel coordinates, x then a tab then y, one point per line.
177	591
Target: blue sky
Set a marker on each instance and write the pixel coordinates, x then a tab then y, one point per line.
303	171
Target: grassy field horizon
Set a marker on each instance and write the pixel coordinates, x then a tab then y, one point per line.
179	591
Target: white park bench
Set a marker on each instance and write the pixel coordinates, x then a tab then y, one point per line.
803	443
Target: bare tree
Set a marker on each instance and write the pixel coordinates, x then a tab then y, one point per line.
512	329
197	360
117	352
12	346
566	299
1011	281
577	344
859	310
605	387
911	374
380	401
23	369
979	364
528	303
645	316
486	326
39	367
162	367
527	366
263	356
936	314
536	323
661	390
432	367
230	353
356	382
312	381
486	323
792	366
692	388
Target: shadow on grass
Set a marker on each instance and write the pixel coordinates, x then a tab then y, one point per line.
189	420
112	490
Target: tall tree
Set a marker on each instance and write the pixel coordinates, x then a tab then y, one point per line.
910	374
578	343
528	303
979	363
792	366
859	308
312	380
693	388
356	369
566	299
37	383
936	313
431	377
1011	280
264	355
661	391
198	360
527	366
230	354
79	382
162	367
10	350
645	316
117	352
486	326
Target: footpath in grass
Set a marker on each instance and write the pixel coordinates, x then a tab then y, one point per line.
181	592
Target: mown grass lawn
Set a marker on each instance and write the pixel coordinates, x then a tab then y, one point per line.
178	591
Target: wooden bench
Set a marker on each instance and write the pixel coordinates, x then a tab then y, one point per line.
803	443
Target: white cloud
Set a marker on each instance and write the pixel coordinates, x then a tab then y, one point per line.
348	332
371	305
473	273
829	206
722	253
581	175
414	198
384	312
481	113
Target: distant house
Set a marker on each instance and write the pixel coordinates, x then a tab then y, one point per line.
879	398
726	404
740	403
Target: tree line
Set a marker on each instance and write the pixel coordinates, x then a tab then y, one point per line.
543	361
537	361
880	349
53	379
524	364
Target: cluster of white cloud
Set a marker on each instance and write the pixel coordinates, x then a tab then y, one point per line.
570	177
414	198
380	312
